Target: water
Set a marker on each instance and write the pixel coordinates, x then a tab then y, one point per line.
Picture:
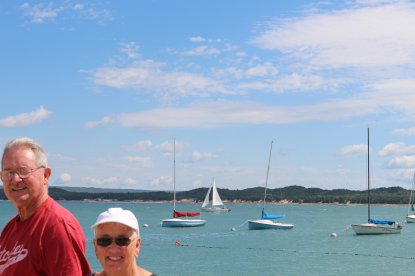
214	249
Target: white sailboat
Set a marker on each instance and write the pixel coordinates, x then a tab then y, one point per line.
268	221
180	219
410	216
373	226
216	205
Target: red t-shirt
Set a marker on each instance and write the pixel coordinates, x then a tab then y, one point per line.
50	242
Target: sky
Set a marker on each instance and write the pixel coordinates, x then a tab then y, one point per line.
107	87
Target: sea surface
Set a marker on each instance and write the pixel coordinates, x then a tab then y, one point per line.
225	246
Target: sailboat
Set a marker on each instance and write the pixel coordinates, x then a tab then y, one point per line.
216	205
373	226
180	219
268	221
410	216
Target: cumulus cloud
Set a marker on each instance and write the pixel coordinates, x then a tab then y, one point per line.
352	150
161	181
26	119
142	162
167	148
94	181
402	162
261	70
397	149
64	178
142	145
200	156
404	132
203	50
197	39
103	121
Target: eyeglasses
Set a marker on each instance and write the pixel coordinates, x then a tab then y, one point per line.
23	173
120	241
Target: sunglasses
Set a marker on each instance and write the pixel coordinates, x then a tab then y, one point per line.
120	241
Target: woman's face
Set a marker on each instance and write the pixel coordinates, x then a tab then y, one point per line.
116	259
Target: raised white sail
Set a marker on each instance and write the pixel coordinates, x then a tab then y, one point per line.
216	205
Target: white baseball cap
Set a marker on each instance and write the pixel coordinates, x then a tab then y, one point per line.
118	215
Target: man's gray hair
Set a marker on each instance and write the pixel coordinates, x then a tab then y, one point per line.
25	142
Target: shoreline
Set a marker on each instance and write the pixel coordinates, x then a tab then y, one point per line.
286	203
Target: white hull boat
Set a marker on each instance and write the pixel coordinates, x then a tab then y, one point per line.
268	221
261	224
410	216
177	222
374	227
215	205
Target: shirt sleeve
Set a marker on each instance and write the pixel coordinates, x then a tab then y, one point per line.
64	249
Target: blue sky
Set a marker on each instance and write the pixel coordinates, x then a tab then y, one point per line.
106	86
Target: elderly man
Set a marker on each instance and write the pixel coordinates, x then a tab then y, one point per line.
117	243
43	238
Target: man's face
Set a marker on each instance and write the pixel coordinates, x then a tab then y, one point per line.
28	192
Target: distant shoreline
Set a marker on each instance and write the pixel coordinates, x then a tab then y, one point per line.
237	202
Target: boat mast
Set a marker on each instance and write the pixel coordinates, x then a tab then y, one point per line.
266	180
368	178
174	174
411	198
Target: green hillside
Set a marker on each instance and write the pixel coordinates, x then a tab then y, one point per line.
294	194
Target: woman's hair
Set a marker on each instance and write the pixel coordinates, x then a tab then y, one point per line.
25	142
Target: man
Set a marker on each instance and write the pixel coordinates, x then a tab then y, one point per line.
43	238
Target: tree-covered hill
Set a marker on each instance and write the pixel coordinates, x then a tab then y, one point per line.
294	194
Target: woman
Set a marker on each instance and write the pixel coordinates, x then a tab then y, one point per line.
117	243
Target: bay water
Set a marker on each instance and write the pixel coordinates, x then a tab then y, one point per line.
225	246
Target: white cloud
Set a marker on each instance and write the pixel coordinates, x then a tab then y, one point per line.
161	181
238	113
357	37
202	51
168	147
41	12
397	149
142	162
402	162
149	75
130	181
200	156
262	70
130	49
404	132
287	83
26	119
94	181
142	145
103	121
352	150
197	39
64	178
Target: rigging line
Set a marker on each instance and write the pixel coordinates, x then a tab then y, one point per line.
242	224
304	252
